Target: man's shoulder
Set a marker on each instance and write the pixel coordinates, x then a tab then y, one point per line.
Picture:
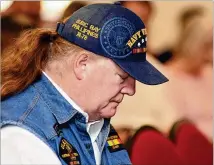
18	103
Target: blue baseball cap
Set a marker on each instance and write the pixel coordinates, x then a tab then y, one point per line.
112	31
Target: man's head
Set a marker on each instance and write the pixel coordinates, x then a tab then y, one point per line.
95	83
195	39
103	84
111	57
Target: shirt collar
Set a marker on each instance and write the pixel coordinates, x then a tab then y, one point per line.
93	128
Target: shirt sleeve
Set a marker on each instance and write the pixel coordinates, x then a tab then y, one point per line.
19	146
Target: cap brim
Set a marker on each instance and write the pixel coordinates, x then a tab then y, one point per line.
142	71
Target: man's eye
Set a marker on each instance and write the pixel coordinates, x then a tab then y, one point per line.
123	78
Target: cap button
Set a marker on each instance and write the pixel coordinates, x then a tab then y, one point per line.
117	3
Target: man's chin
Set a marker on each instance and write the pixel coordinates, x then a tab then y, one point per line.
109	113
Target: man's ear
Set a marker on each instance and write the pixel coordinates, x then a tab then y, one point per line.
80	62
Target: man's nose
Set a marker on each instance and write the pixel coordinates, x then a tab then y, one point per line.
129	86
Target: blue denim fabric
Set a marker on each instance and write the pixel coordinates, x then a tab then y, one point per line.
42	110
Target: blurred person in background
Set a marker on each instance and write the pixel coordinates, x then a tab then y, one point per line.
21	15
191	69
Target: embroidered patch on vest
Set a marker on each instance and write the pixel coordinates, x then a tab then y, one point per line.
68	153
114	142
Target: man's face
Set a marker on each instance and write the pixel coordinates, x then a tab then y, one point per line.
107	85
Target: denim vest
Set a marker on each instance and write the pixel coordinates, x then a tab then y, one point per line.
42	110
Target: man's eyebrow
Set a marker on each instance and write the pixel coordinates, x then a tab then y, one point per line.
123	74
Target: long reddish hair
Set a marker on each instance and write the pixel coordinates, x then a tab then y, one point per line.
22	63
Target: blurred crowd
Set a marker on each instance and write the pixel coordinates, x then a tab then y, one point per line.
187	64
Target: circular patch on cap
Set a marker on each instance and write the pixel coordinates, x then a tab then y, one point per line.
114	36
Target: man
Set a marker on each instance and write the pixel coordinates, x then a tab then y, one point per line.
68	85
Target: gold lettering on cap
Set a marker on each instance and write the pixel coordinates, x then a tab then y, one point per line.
135	37
84	30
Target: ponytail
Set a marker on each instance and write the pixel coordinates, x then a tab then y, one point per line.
23	62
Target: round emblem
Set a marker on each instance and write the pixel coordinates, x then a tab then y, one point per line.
114	36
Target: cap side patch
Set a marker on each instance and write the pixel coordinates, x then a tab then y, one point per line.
114	35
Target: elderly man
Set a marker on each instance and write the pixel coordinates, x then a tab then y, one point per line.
61	88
